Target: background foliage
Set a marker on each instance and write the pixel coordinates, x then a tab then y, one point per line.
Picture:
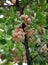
11	19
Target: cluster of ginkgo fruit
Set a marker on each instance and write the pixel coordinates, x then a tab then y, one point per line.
26	19
19	33
17	59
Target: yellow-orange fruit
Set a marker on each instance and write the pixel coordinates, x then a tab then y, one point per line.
26	16
29	20
24	53
31	32
15	51
24	57
13	1
18	35
28	6
30	39
44	53
45	49
26	19
18	59
14	60
25	61
22	16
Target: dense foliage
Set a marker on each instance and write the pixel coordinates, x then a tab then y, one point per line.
23	17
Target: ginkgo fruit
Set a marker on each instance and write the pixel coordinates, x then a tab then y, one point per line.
13	1
18	35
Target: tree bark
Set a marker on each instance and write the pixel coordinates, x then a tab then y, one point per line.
27	51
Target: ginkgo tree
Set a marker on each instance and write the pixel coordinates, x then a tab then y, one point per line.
23	32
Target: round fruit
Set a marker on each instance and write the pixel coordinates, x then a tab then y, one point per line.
18	60
44	53
29	20
30	39
15	51
28	6
14	60
19	35
22	16
24	53
31	32
24	57
13	1
26	16
25	61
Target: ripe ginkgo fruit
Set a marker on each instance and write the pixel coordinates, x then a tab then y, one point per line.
26	19
14	51
18	35
13	1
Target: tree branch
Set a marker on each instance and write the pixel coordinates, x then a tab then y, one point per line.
19	6
26	46
27	51
46	27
